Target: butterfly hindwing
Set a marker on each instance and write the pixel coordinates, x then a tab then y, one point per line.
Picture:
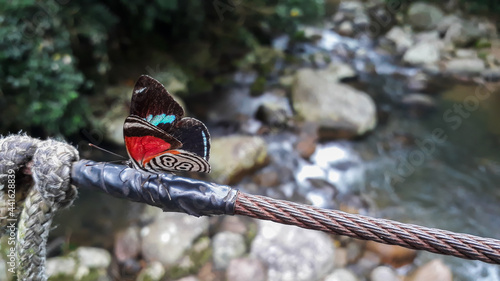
178	160
157	136
194	136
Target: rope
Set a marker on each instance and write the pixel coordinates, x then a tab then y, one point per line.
49	164
362	227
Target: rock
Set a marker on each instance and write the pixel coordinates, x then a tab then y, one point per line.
267	178
418	82
341	274
346	28
338	71
274	109
393	255
246	269
418	104
340	258
307	142
383	273
293	253
152	272
169	235
351	7
424	16
83	263
465	66
61	267
227	246
465	53
401	38
433	270
422	53
318	98
445	23
235	224
189	278
93	258
491	75
127	244
462	33
366	264
208	273
234	156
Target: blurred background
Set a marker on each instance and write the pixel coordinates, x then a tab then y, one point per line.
383	108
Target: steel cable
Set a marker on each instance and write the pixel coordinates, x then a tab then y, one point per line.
385	231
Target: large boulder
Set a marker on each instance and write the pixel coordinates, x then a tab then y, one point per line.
318	97
232	157
424	16
423	53
469	66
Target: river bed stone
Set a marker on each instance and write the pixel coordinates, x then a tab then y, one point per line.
234	156
318	97
293	253
170	235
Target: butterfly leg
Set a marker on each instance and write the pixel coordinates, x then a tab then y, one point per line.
142	187
166	189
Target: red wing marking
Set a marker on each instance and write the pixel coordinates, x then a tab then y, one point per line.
147	147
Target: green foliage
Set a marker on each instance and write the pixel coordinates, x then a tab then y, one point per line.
52	52
39	77
481	6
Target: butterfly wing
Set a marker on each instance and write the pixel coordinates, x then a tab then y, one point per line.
144	141
151	101
158	138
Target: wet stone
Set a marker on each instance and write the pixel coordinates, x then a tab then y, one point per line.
393	255
383	273
318	97
127	244
433	270
235	156
341	274
246	269
93	257
465	66
292	253
234	224
61	267
227	246
172	231
424	16
153	272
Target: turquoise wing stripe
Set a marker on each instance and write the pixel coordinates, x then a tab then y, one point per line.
160	119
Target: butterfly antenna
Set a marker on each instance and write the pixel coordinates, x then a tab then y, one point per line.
102	149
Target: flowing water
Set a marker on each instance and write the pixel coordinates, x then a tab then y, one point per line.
440	168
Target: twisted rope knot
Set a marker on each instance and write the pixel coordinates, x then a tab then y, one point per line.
50	162
24	160
52	172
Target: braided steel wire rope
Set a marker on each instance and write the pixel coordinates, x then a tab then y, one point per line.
385	231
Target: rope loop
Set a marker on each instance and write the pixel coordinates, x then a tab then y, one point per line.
52	172
40	173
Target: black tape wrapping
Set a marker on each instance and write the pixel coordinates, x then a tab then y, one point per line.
194	197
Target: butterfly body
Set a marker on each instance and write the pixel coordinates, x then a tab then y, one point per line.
157	136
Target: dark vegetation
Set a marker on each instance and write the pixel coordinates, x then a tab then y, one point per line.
56	53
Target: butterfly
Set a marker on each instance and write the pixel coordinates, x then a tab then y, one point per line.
157	136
